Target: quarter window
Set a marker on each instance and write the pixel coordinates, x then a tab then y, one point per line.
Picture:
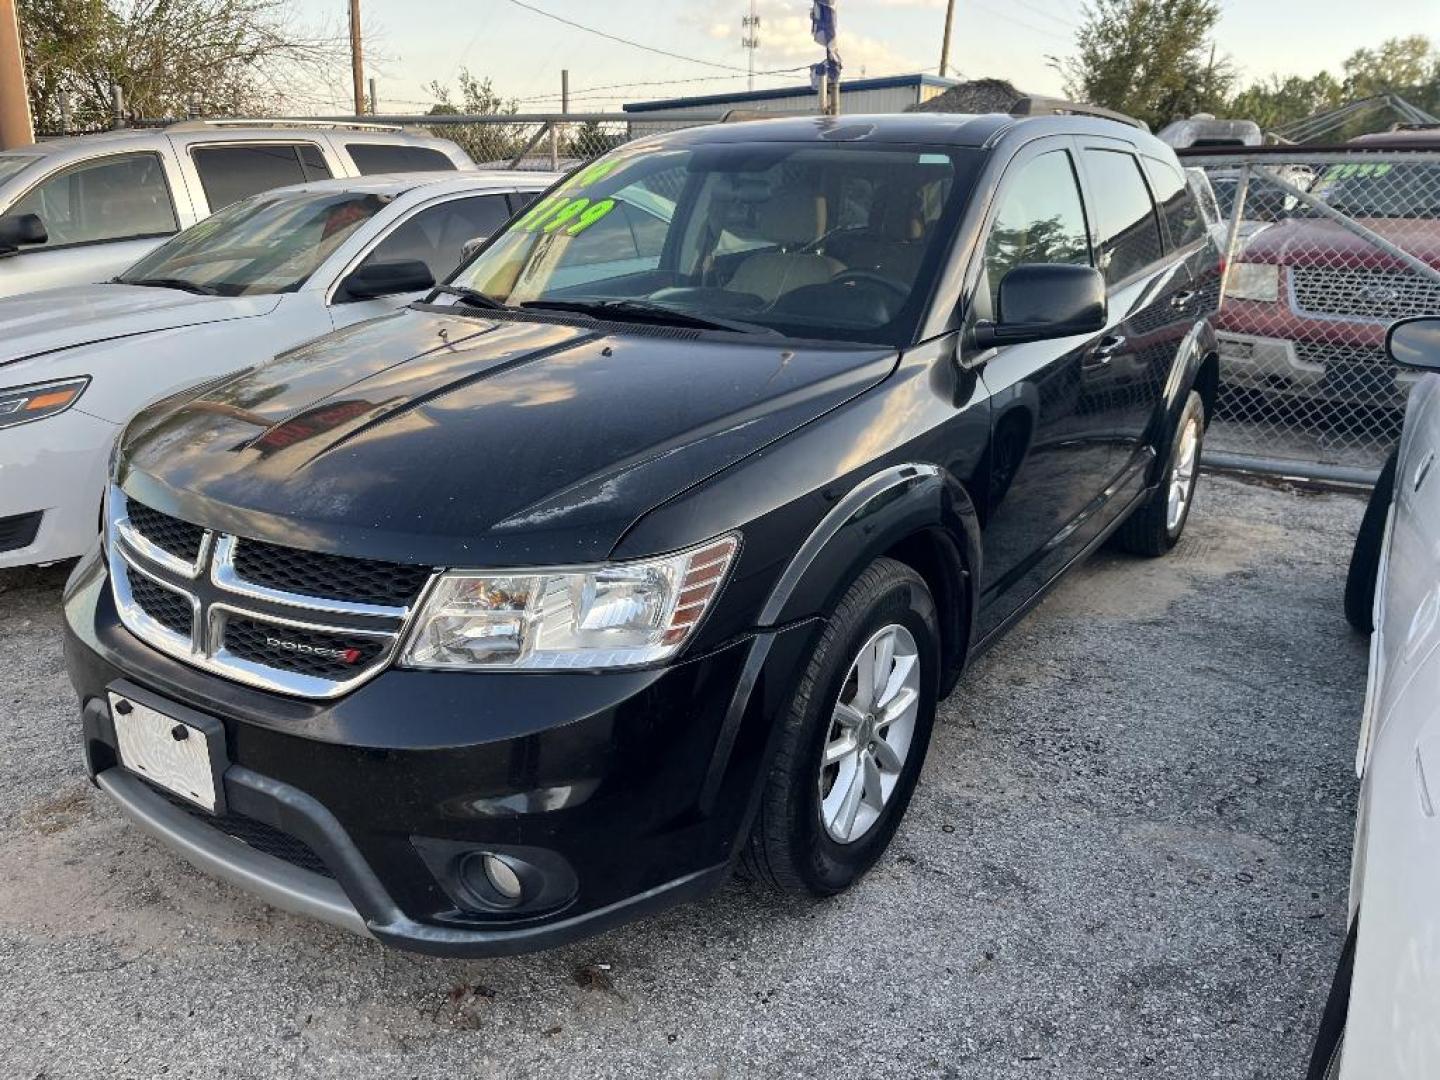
1183	218
121	197
231	173
1125	216
372	158
1041	220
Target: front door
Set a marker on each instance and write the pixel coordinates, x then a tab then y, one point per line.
1050	460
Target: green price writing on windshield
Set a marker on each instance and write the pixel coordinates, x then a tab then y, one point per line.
560	212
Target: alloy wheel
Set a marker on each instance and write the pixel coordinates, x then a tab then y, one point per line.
871	728
1182	473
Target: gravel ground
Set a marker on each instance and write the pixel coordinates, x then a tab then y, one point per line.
1127	858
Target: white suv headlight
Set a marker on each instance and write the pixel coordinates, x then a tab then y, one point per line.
1253	281
612	615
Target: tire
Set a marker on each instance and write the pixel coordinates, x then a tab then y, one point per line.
1365	559
1154	527
1330	1038
792	847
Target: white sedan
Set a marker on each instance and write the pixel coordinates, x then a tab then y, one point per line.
1383	1016
257	278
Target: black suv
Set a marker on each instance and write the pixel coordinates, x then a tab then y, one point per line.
648	544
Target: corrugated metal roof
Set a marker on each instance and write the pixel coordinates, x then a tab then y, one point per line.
805	91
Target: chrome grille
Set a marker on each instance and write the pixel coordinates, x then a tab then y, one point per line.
171	535
1363	295
358	581
311	625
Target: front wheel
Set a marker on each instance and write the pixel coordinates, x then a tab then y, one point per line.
854	737
1156	525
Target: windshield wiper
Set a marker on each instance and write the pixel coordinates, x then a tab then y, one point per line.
648	311
170	283
473	297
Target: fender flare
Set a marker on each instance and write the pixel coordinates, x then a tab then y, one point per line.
887	508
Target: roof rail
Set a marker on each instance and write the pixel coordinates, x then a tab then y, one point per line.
357	125
1047	106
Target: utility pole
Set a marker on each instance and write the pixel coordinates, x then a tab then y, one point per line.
945	41
357	59
751	41
16	128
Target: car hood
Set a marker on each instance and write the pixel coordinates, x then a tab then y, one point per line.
48	321
449	440
1321	242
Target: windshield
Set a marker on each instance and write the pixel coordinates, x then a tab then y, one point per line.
1382	189
811	240
262	245
11	164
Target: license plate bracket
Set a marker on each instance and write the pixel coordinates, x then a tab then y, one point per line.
170	745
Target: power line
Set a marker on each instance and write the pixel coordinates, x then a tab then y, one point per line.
625	41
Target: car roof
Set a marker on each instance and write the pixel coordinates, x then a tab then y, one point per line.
442	182
199	131
978	130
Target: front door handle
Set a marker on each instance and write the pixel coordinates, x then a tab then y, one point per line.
1182	299
1104	350
1424	470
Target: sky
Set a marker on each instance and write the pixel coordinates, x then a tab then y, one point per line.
523	52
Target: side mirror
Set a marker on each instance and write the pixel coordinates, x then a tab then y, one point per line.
372	280
471	246
1039	301
1415	343
17	229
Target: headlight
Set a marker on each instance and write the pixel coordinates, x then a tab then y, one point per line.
614	615
21	404
1253	281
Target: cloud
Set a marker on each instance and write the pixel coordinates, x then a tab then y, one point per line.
785	40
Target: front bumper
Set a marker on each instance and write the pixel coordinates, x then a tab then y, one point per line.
633	789
55	467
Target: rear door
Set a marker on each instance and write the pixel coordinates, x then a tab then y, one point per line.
229	172
1152	302
1049	460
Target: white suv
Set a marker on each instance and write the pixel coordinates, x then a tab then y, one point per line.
80	210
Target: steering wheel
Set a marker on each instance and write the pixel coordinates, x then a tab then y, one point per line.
895	285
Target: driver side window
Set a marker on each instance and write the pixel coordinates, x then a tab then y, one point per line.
1041	220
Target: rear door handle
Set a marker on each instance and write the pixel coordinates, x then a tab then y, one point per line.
1182	299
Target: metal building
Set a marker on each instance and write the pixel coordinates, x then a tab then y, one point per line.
888	95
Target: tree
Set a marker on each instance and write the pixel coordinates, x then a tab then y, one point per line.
239	57
1152	59
483	142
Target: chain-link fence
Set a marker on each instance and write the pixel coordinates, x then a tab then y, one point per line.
1324	250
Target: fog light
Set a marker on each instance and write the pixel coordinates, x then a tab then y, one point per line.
502	878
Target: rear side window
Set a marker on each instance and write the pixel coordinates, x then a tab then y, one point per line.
120	197
231	173
1184	220
437	235
372	158
1124	214
1041	220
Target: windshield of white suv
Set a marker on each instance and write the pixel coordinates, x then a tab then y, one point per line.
814	240
10	164
261	245
1381	189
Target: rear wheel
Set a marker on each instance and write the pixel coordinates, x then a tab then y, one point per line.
854	738
1157	524
1365	559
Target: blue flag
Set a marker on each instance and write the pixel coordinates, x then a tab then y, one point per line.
822	28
